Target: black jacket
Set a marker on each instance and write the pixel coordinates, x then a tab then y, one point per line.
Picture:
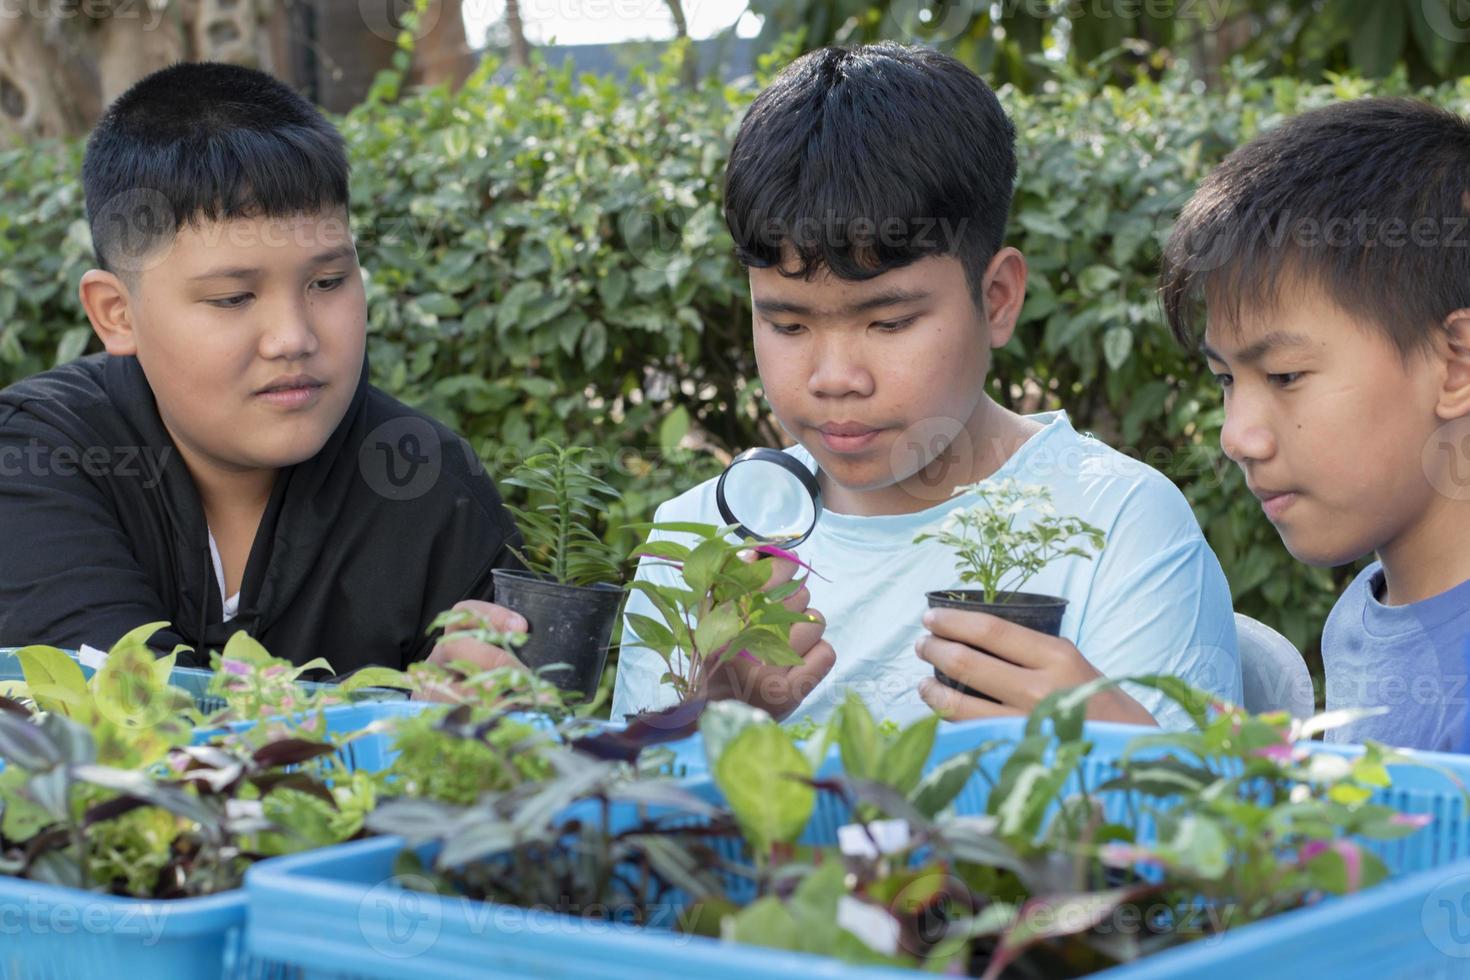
102	529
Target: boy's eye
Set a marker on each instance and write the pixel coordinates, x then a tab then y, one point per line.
327	285
1284	380
1224	380
231	302
787	329
893	326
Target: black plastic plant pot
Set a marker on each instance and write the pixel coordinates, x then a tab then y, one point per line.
570	625
1042	613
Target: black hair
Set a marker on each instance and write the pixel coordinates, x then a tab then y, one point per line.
865	159
205	142
1367	201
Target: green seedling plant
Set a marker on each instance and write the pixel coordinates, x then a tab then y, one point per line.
1243	821
566	498
178	823
997	549
717	609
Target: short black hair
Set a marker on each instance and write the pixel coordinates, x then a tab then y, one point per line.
860	160
1366	200
205	142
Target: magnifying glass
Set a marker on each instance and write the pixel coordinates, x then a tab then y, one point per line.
770	497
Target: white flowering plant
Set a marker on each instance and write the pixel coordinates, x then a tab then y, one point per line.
1009	534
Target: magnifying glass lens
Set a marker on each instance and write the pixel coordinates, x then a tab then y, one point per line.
770	496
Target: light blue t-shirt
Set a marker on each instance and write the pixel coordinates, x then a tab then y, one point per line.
1412	659
1155	601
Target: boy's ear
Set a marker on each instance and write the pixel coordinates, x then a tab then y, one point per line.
108	303
1004	291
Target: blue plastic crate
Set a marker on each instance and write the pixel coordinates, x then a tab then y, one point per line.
50	933
196	682
339	912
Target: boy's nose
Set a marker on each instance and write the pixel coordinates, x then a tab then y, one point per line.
290	334
836	372
1245	438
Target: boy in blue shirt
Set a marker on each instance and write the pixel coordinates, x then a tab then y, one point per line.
867	193
1331	262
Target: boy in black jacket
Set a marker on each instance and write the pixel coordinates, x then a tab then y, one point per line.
225	464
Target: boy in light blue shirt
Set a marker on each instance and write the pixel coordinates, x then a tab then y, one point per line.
867	193
1331	260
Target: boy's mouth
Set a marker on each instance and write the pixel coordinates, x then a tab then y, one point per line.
292	391
1275	502
847	437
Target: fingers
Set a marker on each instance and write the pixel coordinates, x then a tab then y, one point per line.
483	656
817	664
977	669
1017	644
781	690
783	570
798	601
804	636
496	617
951	705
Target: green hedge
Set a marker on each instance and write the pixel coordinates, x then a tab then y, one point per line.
546	259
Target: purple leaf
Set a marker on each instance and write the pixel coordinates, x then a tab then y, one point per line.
290	751
645	730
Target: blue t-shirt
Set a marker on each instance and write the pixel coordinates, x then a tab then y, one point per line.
1154	601
1410	659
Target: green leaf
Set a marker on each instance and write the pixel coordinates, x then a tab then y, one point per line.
375	677
764	922
703	563
653	633
73	343
944	782
857	739
714	632
754	773
722	721
673	428
1117	345
56	682
1096	279
902	762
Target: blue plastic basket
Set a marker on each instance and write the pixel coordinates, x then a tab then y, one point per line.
60	933
196	682
340	912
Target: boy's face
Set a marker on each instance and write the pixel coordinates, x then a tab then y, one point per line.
1327	423
251	334
850	367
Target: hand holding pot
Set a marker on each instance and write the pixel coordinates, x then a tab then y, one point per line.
775	689
482	655
1016	666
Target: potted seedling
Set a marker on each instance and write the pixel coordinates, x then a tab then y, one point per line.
1000	542
570	589
718	608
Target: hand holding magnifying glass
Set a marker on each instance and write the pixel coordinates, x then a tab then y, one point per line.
772	499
